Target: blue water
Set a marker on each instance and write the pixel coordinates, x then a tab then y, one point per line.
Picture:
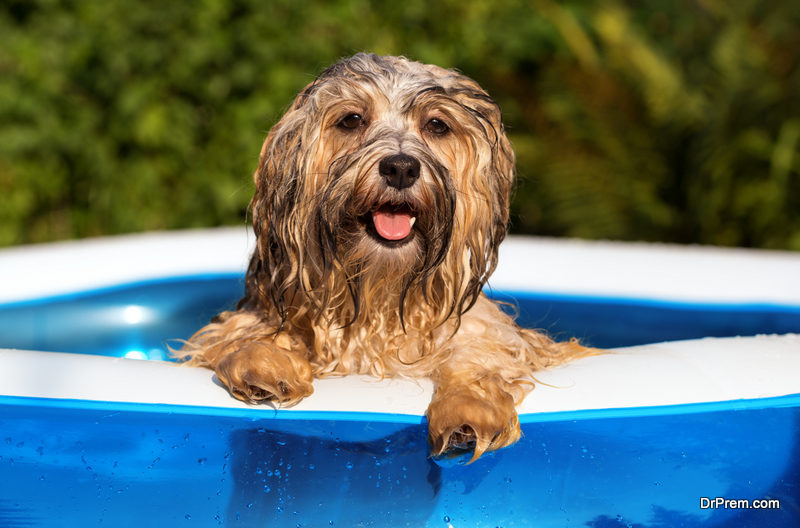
75	463
96	322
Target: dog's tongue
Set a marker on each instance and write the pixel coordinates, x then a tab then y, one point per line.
392	224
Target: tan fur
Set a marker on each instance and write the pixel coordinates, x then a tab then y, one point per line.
326	297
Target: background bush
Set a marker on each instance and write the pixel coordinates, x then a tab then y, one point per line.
675	121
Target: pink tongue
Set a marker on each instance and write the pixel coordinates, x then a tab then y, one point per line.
392	225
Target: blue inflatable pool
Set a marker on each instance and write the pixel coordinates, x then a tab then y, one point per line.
672	428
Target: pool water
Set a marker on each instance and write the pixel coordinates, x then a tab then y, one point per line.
138	320
84	463
74	465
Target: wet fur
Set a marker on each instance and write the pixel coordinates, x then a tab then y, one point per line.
325	296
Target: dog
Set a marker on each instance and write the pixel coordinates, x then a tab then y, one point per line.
381	198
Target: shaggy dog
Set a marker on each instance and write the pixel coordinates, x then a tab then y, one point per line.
381	199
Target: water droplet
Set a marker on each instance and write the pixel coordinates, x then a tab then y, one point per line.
349	465
447	518
187	516
311	466
267	489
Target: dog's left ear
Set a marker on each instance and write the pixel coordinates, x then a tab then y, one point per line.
492	183
503	172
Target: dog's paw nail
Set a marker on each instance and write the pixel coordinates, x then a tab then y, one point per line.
462	439
458	449
250	393
257	393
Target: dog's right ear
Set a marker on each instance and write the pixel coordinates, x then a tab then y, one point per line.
278	182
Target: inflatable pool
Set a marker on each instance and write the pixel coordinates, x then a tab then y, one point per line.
693	419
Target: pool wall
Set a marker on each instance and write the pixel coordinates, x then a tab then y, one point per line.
637	437
129	295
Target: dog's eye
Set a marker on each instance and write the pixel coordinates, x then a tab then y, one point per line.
351	121
437	126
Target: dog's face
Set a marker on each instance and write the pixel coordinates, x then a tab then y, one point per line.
385	178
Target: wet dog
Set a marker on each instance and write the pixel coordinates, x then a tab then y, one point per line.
381	198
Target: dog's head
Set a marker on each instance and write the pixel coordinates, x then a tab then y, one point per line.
386	178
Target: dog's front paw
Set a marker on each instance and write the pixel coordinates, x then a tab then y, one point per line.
259	372
463	421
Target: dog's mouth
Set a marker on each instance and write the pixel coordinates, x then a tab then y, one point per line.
391	223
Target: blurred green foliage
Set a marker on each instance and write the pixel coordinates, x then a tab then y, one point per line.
675	121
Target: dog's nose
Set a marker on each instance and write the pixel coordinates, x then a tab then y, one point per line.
400	170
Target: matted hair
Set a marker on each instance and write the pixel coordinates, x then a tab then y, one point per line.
306	192
331	290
